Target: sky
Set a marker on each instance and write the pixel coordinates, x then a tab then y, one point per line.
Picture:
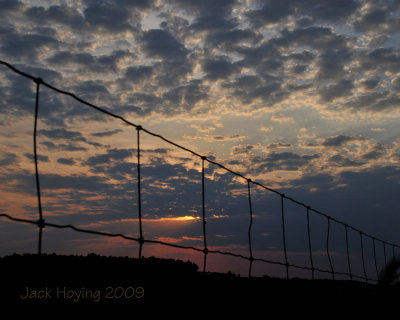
300	95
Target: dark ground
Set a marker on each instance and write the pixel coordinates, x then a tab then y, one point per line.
148	283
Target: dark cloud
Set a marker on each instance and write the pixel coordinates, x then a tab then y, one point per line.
396	83
214	22
242	149
261	57
175	64
101	64
375	101
277	11
157	151
247	83
334	50
66	161
249	88
173	72
91	90
144	102
204	7
304	22
108	16
62	134
339	140
373	210
347	197
40	158
372	20
225	138
213	17
282	161
320	180
161	44
49	74
298	86
331	64
231	38
316	37
384	59
109	157
219	68
138	73
341	89
185	97
25	46
379	18
106	133
175	24
129	109
18	94
304	57
271	12
377	152
66	15
340	160
277	145
338	11
370	84
8	158
129	4
8	6
62	147
79	182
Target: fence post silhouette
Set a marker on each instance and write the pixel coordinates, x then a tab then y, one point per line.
348	252
284	235
141	239
203	207
309	242
376	265
41	223
250	225
327	249
362	256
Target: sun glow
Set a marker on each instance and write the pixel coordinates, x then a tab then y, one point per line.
183	218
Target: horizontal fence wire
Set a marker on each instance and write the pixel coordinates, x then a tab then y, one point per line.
41	223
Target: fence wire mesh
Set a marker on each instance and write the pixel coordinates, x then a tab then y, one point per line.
41	223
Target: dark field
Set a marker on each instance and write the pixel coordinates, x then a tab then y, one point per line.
31	280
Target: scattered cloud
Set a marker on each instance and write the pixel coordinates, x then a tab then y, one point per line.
66	161
339	140
281	118
106	133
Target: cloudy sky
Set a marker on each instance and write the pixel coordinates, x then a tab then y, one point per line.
301	95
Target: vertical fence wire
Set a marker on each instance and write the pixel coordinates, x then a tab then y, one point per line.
376	264
284	235
203	206
362	257
141	239
348	252
250	225
309	243
40	222
327	249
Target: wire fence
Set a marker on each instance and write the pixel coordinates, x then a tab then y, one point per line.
41	223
